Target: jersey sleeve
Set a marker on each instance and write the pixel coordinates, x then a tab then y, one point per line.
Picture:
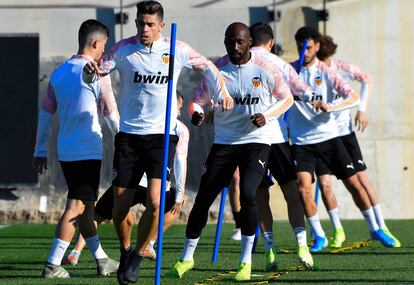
297	86
180	161
107	104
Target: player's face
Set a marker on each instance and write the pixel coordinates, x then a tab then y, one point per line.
100	47
311	50
237	47
149	28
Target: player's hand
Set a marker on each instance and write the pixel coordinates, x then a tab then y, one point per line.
361	121
319	105
39	163
227	103
258	120
197	118
177	207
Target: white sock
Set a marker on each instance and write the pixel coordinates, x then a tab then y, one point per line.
75	252
151	243
334	215
378	216
58	251
95	247
267	240
247	247
300	234
370	219
189	248
316	225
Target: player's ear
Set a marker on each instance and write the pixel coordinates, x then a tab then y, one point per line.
317	46
161	26
250	42
94	44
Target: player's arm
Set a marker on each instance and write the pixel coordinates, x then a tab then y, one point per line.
200	99
107	104
180	168
297	86
47	110
213	76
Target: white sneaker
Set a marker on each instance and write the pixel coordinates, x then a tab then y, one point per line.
236	234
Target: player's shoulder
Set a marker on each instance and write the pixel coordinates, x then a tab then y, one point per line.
222	61
123	44
265	62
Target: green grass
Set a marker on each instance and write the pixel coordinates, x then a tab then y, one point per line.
24	249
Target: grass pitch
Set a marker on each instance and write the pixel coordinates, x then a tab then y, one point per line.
24	249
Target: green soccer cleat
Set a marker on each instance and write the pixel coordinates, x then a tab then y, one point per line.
271	263
338	238
304	257
387	231
181	267
54	271
244	272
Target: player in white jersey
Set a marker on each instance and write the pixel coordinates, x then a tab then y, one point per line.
79	146
280	164
317	138
174	196
349	73
260	95
142	62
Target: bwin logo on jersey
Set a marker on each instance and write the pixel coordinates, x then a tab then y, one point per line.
166	58
318	80
248	100
256	82
147	78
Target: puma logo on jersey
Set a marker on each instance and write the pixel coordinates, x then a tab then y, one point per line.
350	166
166	58
256	82
149	79
361	162
262	163
248	100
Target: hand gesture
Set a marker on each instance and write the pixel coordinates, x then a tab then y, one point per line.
258	120
361	121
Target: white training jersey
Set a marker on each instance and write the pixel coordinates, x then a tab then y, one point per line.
277	129
256	87
321	127
76	104
349	73
144	80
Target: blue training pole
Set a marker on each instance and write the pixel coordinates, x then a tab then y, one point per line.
219	225
166	151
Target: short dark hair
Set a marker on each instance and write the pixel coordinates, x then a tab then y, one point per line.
261	33
88	28
327	47
306	33
150	7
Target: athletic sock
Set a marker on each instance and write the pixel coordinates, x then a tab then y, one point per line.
95	247
316	225
334	215
370	219
236	217
378	216
300	234
189	248
247	246
57	251
267	240
151	243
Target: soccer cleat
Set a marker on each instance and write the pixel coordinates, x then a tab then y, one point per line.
244	271
338	238
54	271
387	231
72	258
319	244
271	263
383	238
181	267
236	234
106	266
304	257
122	265
132	267
150	253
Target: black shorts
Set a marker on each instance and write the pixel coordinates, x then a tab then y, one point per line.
331	152
280	165
105	204
82	178
352	146
136	154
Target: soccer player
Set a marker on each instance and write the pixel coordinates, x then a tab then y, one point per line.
234	197
174	196
260	95
79	146
142	61
280	165
348	72
317	138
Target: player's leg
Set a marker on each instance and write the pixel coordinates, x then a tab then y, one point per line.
234	197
